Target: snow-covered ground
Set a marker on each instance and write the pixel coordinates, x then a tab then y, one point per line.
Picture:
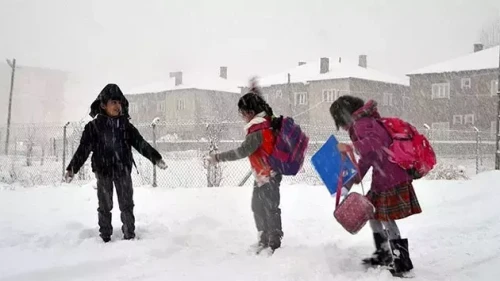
50	233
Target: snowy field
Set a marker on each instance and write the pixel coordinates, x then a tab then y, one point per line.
50	233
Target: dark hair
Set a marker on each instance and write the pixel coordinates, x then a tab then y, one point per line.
343	108
254	103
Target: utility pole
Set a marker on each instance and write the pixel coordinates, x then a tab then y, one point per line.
12	65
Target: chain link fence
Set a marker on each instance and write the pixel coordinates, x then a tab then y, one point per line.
38	153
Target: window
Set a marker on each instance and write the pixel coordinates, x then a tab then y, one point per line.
493	129
494	87
469	119
466	83
458	120
160	107
181	104
441	91
301	98
387	99
279	94
330	95
133	108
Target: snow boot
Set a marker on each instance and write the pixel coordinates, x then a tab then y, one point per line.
262	243
402	262
105	238
382	255
275	239
263	239
128	236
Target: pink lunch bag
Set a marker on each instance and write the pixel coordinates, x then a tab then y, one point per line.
355	210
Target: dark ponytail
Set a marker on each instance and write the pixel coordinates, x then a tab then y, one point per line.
267	109
254	101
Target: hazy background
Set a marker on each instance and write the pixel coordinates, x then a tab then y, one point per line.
138	42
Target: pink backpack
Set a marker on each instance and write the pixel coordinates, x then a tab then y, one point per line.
409	149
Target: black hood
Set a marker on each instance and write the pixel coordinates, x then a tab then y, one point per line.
110	92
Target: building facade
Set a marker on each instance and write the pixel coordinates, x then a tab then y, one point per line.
189	106
307	90
457	95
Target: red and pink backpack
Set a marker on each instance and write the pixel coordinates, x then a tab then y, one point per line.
409	149
290	148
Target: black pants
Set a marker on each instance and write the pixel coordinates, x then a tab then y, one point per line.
124	191
266	211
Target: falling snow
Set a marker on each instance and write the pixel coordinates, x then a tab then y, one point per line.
183	68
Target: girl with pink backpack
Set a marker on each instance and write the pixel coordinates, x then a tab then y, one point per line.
391	192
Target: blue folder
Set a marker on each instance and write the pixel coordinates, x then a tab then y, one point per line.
327	162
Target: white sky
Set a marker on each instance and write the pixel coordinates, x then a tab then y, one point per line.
137	42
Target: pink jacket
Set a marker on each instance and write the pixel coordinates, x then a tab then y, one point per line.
369	136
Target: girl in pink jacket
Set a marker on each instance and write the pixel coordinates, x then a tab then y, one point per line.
391	191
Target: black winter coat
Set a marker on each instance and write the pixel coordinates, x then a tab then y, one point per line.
111	141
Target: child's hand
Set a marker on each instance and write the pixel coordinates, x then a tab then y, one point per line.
357	179
343	147
350	184
161	164
68	177
210	159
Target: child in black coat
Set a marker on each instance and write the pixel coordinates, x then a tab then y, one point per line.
110	137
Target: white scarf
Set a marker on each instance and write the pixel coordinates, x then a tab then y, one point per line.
257	119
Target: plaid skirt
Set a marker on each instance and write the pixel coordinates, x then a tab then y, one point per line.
397	203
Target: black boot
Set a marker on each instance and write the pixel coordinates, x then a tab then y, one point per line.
129	236
263	239
402	262
275	239
262	243
105	238
382	255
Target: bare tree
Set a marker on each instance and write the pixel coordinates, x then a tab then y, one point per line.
214	171
31	135
490	33
219	116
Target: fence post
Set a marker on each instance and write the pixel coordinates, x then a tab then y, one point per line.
43	155
55	150
155	184
477	149
428	129
64	150
480	151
